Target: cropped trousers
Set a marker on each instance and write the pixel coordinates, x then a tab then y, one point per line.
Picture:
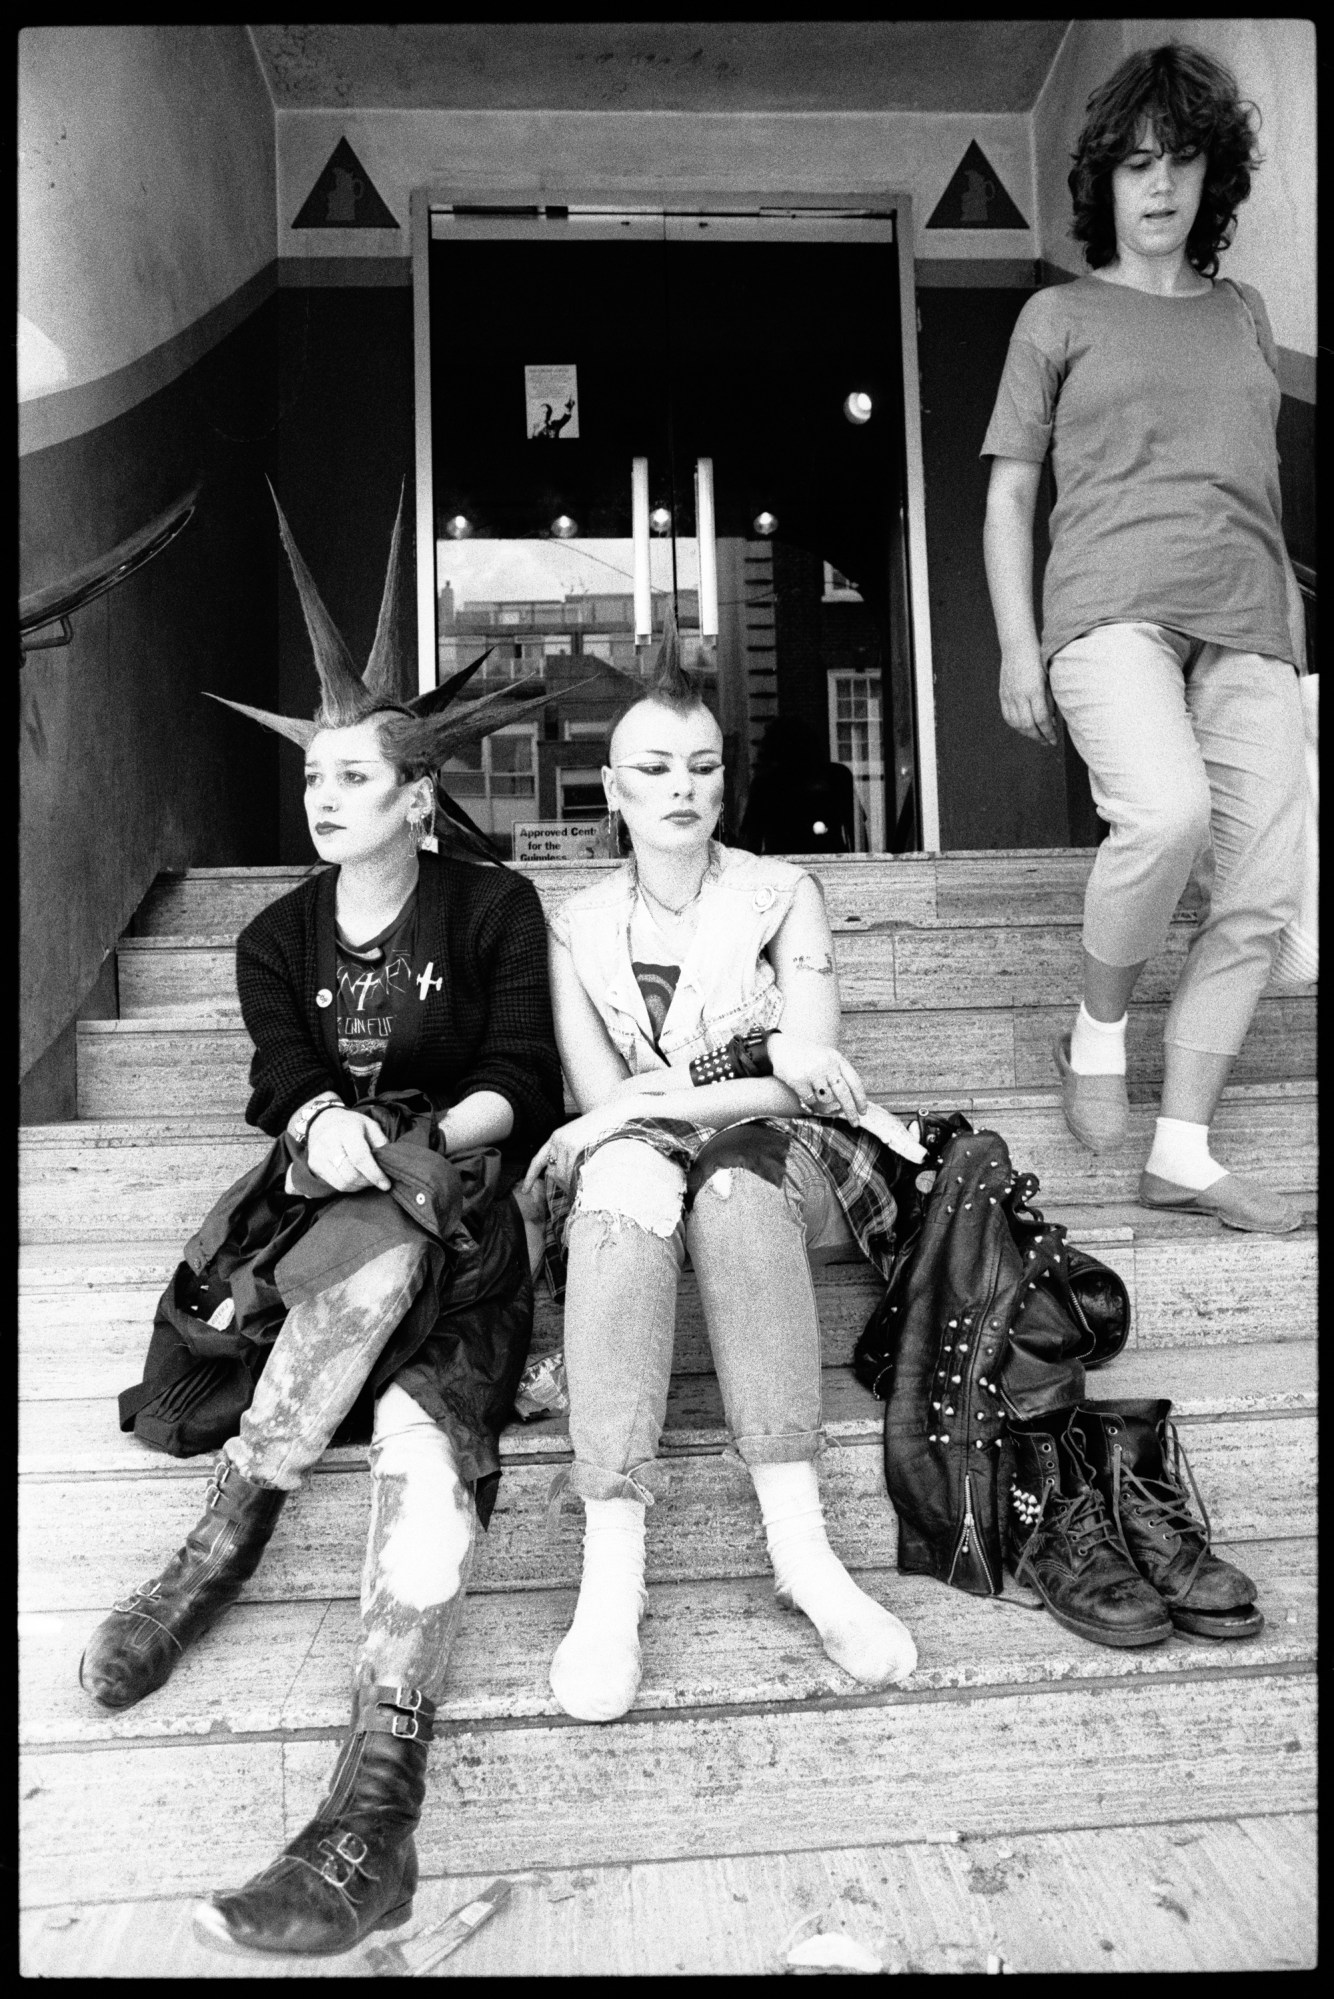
1189	746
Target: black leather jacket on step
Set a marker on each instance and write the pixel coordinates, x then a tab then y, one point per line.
988	1315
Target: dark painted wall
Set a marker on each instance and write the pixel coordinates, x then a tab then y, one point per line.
996	788
345	445
124	768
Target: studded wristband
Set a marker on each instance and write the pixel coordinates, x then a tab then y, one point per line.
300	1122
744	1055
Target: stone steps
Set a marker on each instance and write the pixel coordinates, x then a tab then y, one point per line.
84	1325
1190	1895
1257	1471
112	1179
147	1067
1150	1746
1161	1796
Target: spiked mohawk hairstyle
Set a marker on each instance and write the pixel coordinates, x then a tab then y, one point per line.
417	734
667	682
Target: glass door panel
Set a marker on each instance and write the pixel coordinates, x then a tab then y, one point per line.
752	364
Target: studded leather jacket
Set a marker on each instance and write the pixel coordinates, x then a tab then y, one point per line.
989	1315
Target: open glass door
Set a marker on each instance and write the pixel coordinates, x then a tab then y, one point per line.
632	408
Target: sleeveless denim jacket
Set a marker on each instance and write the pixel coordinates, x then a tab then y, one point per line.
726	985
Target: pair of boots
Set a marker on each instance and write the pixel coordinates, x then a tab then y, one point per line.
1102	1528
353	1868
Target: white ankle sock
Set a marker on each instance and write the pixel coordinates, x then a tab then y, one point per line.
858	1633
1097	1047
595	1672
1181	1153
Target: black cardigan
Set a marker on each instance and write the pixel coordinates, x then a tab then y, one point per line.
487	1026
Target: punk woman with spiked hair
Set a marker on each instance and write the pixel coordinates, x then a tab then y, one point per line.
1172	622
405	1065
697	1015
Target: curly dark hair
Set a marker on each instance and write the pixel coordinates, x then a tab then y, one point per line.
1194	106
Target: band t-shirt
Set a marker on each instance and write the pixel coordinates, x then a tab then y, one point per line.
657	983
1159	414
372	980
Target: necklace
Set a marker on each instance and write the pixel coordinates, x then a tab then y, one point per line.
671	909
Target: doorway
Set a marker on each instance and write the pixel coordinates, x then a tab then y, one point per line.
632	410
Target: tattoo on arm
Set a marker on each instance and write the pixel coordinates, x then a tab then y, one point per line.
809	962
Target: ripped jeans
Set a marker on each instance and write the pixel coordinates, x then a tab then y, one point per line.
423	1526
751	1207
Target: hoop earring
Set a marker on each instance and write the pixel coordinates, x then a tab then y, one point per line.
423	826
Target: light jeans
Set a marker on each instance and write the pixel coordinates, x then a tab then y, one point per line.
751	1208
423	1526
1186	743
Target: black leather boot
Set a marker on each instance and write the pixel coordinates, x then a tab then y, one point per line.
353	1869
1138	1462
1064	1544
133	1651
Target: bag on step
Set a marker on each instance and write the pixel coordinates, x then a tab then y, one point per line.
191	1399
988	1314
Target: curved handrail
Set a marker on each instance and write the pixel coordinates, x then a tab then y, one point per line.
58	601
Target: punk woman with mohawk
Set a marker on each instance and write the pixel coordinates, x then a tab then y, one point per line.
697	1015
405	1065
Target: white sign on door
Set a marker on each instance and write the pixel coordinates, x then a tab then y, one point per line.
561	840
552	396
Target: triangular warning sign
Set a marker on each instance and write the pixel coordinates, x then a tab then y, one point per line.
344	197
975	198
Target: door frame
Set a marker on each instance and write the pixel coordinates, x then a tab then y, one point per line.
656	198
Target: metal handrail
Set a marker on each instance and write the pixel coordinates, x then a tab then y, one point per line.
57	603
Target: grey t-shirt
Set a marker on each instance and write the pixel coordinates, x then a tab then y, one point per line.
1160	417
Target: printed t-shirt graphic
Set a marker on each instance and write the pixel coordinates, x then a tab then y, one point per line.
657	983
372	979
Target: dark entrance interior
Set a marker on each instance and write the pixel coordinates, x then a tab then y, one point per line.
777	363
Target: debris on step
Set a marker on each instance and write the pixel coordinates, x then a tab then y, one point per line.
831	1951
422	1953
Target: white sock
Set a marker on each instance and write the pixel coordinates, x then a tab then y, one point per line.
1097	1047
595	1672
858	1633
1181	1154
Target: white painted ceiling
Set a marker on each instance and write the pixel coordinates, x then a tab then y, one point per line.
941	66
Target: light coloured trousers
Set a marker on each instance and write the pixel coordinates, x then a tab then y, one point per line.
760	1205
1185	743
422	1538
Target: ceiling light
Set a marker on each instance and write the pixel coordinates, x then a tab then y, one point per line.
857	407
564	527
660	520
458	526
766	523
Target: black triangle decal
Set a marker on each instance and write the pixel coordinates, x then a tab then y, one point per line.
344	197
975	198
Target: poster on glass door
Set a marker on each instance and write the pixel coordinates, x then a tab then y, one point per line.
552	397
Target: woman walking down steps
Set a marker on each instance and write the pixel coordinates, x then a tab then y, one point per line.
404	1060
1172	620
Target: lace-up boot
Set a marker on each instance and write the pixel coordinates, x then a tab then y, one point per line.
133	1651
1139	1464
1065	1545
353	1869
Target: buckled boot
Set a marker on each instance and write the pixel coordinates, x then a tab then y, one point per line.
1128	1445
1064	1542
353	1869
133	1651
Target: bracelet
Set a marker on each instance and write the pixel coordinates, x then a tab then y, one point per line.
300	1122
743	1056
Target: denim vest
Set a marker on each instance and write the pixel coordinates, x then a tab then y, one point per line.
726	985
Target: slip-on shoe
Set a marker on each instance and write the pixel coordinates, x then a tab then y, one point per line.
1239	1203
1096	1108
